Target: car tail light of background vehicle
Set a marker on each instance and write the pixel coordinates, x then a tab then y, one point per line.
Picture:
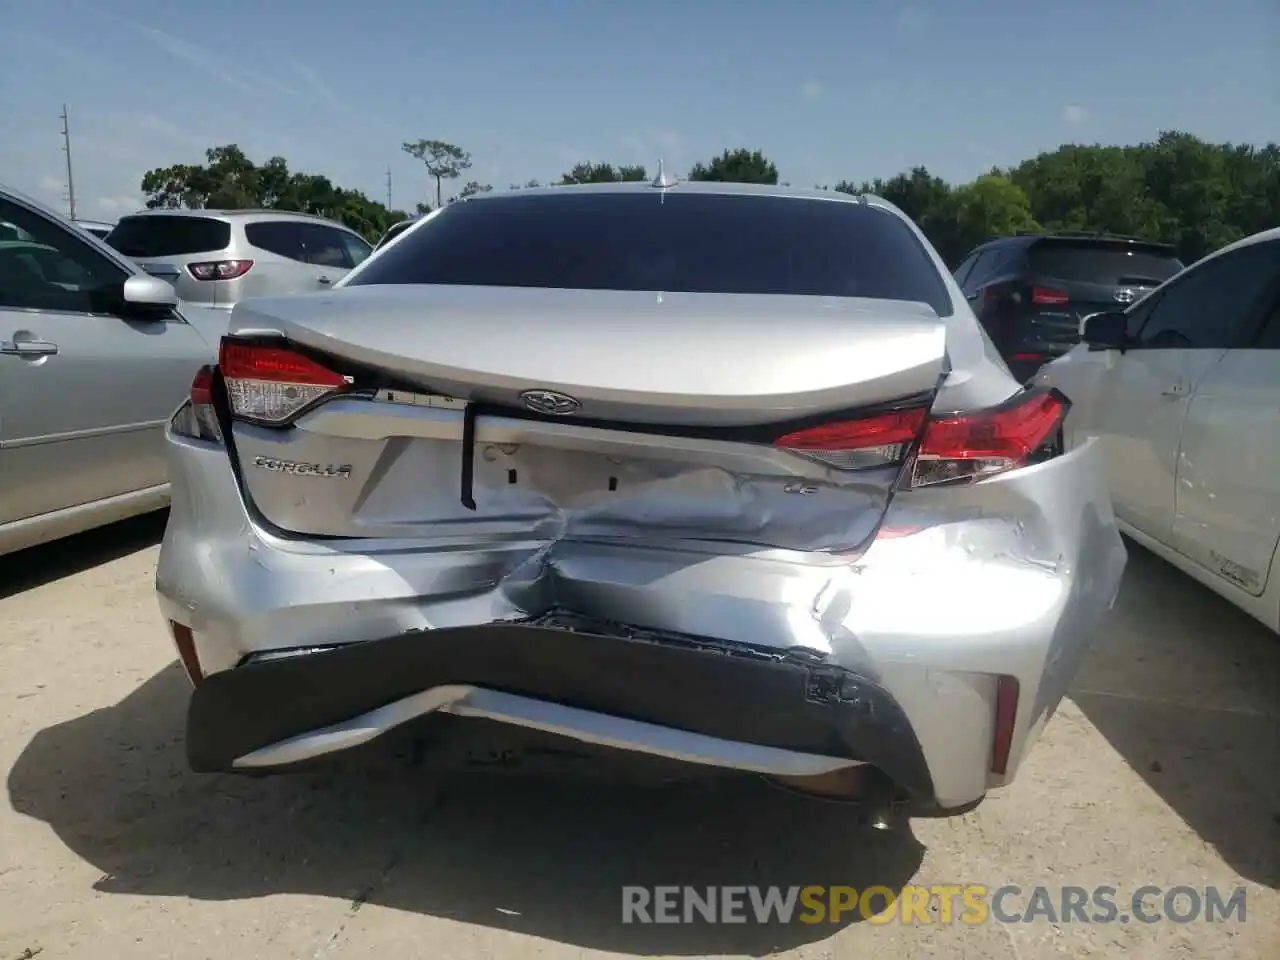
1045	296
219	269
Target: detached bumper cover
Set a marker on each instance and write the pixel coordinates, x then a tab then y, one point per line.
732	694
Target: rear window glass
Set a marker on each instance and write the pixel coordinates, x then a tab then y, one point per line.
169	236
1094	263
668	241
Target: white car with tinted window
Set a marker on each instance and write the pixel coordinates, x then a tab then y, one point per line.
1183	391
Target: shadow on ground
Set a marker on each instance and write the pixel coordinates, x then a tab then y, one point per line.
1187	688
542	858
36	566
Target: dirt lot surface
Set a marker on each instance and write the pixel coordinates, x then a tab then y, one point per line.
1163	769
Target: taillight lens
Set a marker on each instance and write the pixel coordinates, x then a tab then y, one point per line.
219	269
272	384
951	449
1046	296
857	444
977	445
196	418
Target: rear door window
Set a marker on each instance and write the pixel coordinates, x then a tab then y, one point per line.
324	246
169	236
357	248
1113	265
281	237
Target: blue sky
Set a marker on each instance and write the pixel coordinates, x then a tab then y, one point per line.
839	89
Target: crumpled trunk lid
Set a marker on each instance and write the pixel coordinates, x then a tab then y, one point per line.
674	400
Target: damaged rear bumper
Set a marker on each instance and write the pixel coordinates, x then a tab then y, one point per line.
966	589
718	705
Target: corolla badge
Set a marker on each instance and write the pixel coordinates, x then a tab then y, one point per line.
295	469
549	402
1126	295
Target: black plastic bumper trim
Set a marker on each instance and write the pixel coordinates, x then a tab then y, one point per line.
786	704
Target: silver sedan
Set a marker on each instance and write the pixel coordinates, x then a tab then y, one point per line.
721	474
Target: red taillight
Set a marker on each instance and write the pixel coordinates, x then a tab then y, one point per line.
853	444
1046	296
202	386
272	384
197	418
961	447
976	445
219	269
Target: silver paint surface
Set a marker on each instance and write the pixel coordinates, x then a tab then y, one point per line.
933	593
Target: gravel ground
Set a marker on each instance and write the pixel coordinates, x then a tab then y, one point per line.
1162	769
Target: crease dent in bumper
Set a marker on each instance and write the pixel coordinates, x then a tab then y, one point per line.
585	726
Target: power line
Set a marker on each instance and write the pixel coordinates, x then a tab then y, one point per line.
66	146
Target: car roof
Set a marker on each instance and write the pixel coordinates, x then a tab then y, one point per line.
253	216
719	187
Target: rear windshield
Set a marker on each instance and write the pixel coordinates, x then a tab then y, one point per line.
169	236
668	241
1096	263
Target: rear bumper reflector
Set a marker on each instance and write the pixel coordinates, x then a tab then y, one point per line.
1006	717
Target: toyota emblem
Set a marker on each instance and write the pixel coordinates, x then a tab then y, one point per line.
549	402
1126	295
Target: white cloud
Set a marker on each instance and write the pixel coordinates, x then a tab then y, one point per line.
318	85
647	147
912	18
109	208
52	185
812	90
1074	114
212	62
250	81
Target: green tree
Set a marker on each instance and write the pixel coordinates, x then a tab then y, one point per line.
992	206
444	161
926	199
737	166
472	188
602	173
230	180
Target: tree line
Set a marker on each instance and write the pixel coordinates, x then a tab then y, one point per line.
1178	189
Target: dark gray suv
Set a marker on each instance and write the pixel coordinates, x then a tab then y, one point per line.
1031	292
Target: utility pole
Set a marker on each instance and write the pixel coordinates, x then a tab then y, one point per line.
388	186
66	146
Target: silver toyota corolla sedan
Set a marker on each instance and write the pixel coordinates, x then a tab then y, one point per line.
723	474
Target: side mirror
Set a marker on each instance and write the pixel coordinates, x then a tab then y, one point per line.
1106	330
148	294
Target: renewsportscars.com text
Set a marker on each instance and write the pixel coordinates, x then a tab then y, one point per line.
938	904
